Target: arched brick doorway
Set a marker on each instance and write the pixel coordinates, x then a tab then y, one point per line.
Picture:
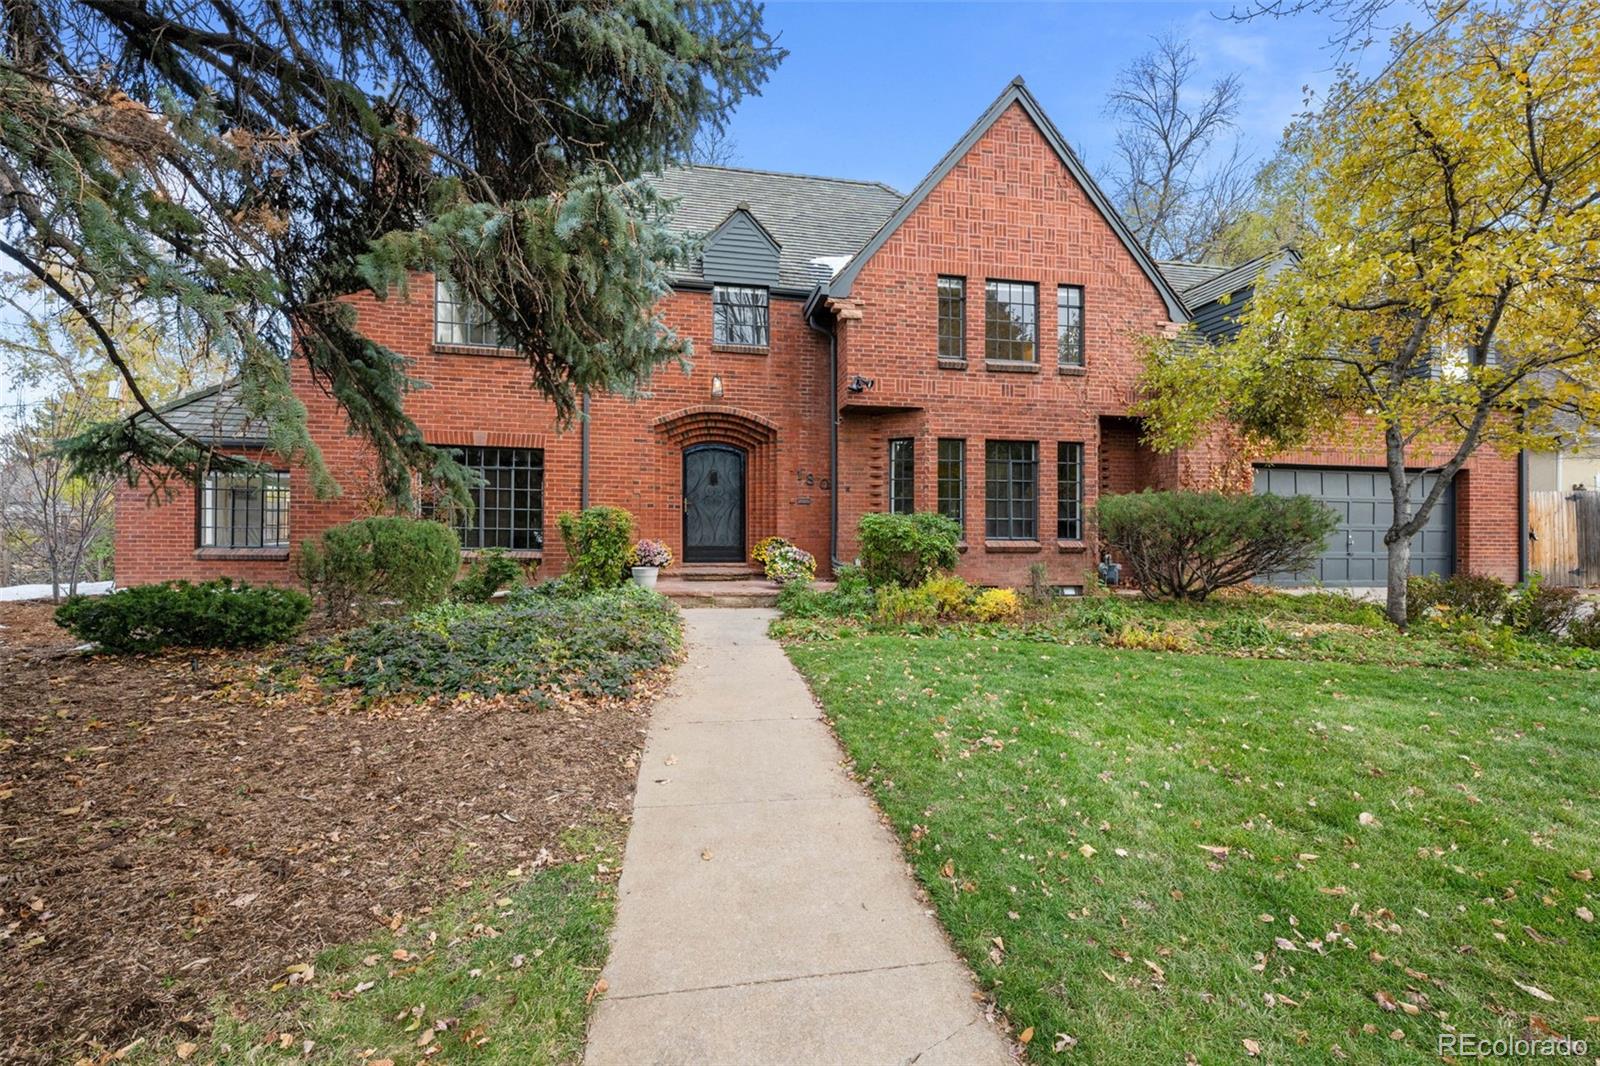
725	442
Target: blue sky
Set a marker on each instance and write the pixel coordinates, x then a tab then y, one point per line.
881	90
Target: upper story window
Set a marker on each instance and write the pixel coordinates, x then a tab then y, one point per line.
739	316
953	319
245	510
457	320
902	475
1011	321
508	507
1069	325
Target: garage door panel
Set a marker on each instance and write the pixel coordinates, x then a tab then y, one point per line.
1354	554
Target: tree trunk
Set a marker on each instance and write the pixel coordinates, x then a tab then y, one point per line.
1399	570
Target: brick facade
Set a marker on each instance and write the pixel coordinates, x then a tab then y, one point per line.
1009	209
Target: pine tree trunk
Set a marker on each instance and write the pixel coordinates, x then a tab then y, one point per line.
1399	569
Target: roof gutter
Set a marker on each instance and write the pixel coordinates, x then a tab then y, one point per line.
814	304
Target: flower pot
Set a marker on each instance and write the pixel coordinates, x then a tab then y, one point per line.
645	576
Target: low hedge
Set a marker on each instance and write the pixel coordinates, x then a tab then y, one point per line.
215	614
542	640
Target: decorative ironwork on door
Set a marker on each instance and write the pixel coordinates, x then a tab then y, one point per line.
713	503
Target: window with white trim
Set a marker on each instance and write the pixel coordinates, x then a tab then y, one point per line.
461	321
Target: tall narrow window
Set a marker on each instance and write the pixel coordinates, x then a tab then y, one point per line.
1011	321
739	316
508	507
1069	325
953	480
457	320
1069	490
953	320
1011	490
245	510
902	475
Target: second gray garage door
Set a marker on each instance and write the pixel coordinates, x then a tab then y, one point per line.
1355	555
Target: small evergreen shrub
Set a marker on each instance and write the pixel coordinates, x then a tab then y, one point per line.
907	549
412	560
1478	595
1187	545
996	605
599	544
1541	610
764	549
490	572
787	564
215	614
596	644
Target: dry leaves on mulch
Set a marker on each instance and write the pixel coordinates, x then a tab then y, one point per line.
169	835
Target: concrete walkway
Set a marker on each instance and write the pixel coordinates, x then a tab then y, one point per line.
765	915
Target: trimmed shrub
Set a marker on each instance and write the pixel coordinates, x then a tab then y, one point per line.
1542	610
765	547
996	605
412	560
907	549
952	597
490	572
1476	595
787	564
1187	545
537	645
898	605
599	544
216	614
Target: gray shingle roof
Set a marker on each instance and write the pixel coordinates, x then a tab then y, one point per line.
1185	276
215	415
1236	278
810	218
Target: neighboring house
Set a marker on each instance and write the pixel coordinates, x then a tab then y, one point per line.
968	348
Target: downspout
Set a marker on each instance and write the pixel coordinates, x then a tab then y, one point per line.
583	455
1522	515
813	304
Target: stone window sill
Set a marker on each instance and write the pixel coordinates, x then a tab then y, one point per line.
1013	547
1071	547
242	553
485	350
952	364
1072	371
741	349
1011	366
534	554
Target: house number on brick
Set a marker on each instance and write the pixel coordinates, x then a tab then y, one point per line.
809	480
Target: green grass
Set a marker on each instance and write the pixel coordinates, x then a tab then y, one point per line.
1000	759
500	974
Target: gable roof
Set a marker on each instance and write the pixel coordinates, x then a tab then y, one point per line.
808	218
1185	276
1236	279
1016	93
215	415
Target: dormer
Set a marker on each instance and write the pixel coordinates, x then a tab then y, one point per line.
740	251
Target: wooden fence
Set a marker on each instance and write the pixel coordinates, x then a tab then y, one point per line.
1564	537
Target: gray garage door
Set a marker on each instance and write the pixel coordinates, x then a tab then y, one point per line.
1355	555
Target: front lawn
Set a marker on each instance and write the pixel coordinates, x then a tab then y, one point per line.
1147	856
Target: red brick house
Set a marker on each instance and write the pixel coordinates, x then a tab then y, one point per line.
967	348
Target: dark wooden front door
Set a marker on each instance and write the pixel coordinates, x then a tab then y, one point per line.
713	504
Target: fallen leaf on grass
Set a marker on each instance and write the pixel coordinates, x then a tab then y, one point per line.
1535	991
1368	818
1252	1047
187	1049
1585	874
597	989
1025	1036
1064	1043
1087	851
1585	914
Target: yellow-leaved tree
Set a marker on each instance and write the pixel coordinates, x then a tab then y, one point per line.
1448	294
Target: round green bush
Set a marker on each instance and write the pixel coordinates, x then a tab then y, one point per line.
388	557
907	549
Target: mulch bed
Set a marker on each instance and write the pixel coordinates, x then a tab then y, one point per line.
169	834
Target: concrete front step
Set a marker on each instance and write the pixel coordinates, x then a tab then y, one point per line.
749	592
718	572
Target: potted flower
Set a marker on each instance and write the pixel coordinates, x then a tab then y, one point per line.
649	556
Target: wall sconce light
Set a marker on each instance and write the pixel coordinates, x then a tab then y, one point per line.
857	383
716	386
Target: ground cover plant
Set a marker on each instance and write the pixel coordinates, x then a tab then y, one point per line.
182	829
540	646
1149	856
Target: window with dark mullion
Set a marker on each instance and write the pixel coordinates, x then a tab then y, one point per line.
245	510
902	476
1011	321
508	507
953	319
739	316
953	480
1011	490
1069	325
1069	490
